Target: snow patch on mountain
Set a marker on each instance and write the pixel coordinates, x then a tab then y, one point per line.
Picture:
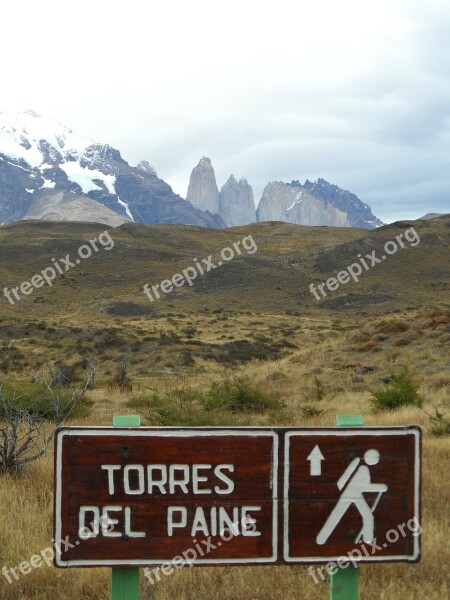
297	201
22	134
126	207
48	184
85	177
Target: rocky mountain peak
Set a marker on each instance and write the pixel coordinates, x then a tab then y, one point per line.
202	191
237	205
293	204
359	213
145	166
230	181
103	158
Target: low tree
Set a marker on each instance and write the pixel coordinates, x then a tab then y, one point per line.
28	421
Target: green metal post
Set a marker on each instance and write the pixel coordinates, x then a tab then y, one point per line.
344	584
125	581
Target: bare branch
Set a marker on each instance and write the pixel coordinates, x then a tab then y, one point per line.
27	427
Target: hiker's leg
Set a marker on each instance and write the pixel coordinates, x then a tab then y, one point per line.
335	516
368	520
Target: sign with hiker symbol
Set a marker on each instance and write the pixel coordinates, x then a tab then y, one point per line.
354	483
351	490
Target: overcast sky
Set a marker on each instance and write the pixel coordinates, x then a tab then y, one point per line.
352	91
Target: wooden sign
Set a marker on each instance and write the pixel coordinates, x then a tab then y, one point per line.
352	491
145	496
164	492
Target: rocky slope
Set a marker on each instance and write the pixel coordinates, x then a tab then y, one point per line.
359	214
66	206
283	202
42	162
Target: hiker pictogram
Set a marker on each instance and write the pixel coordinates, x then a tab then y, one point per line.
354	483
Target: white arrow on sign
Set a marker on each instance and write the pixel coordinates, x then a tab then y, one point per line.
316	457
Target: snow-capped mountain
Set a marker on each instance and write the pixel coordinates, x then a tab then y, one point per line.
49	172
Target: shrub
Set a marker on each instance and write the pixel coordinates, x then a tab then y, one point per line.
180	406
38	400
401	391
121	381
187	360
228	402
318	391
308	410
440	423
238	394
242	351
394	326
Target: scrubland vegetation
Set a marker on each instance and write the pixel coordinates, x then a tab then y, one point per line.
391	369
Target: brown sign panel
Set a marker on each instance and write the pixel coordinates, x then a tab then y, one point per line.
146	496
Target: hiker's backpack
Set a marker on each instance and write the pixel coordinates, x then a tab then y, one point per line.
343	480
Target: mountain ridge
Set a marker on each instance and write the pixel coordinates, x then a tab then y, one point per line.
318	203
49	172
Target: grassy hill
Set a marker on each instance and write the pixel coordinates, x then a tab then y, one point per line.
247	308
276	278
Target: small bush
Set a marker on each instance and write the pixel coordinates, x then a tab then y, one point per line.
180	406
308	410
402	391
243	351
395	326
238	394
121	381
187	360
35	399
318	390
228	402
440	423
24	413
